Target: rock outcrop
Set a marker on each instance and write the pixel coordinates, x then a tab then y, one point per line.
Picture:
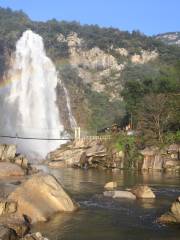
89	153
173	216
167	159
8	169
13	163
7	152
41	196
85	154
144	57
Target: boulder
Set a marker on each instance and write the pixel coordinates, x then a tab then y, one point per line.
120	194
172	165
7	207
21	161
41	196
173	216
175	209
143	192
20	226
110	185
34	236
7	233
167	218
8	169
7	152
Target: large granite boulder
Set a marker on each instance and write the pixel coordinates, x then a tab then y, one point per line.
173	216
8	169
41	196
143	191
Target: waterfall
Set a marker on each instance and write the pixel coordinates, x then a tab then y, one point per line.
72	120
30	103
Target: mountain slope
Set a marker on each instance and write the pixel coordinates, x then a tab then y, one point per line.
94	63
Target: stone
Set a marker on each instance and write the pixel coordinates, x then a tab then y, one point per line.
171	164
175	210
173	216
7	233
40	197
8	169
20	225
57	164
34	236
7	152
119	194
7	207
167	218
110	185
21	161
143	191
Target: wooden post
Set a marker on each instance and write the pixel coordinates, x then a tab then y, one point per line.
77	133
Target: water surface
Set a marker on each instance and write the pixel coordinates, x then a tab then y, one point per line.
104	218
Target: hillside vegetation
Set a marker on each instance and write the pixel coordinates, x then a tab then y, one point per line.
112	76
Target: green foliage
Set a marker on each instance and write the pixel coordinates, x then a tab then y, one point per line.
121	140
103	112
154	102
171	137
128	144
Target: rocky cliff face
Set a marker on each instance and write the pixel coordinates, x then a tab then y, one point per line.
102	70
172	38
90	72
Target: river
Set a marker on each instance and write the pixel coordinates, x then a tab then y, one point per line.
107	219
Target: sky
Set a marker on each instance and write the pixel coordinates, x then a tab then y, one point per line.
149	16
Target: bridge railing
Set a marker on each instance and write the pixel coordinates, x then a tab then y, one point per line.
80	134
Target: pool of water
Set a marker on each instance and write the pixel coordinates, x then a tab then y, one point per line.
108	219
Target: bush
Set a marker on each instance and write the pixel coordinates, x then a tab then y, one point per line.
171	137
128	144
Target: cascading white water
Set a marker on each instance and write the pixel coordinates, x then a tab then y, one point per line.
30	105
72	120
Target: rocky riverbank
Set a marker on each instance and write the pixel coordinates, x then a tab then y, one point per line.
98	154
27	196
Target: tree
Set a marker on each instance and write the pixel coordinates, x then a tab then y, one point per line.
154	115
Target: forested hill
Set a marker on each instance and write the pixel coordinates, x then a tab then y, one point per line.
108	72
